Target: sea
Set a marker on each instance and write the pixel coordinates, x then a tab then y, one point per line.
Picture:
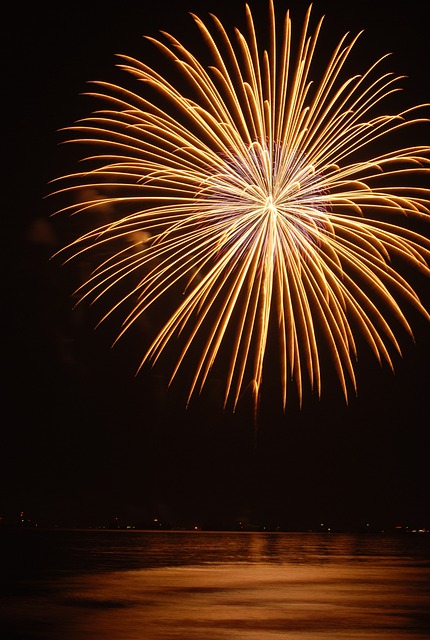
198	585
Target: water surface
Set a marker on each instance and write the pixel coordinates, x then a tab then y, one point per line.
133	585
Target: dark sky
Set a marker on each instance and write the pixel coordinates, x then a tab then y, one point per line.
82	439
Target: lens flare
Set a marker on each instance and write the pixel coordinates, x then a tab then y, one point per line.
242	204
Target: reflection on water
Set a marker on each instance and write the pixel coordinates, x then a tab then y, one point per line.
212	586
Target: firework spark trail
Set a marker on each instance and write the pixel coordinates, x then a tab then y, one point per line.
249	188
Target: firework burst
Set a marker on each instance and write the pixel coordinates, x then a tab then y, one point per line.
245	186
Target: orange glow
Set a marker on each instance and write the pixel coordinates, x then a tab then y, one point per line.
244	187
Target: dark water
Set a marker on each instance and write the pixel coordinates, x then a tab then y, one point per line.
134	585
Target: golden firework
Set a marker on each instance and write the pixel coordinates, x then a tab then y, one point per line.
246	186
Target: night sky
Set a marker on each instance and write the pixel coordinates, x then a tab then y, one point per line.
84	441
